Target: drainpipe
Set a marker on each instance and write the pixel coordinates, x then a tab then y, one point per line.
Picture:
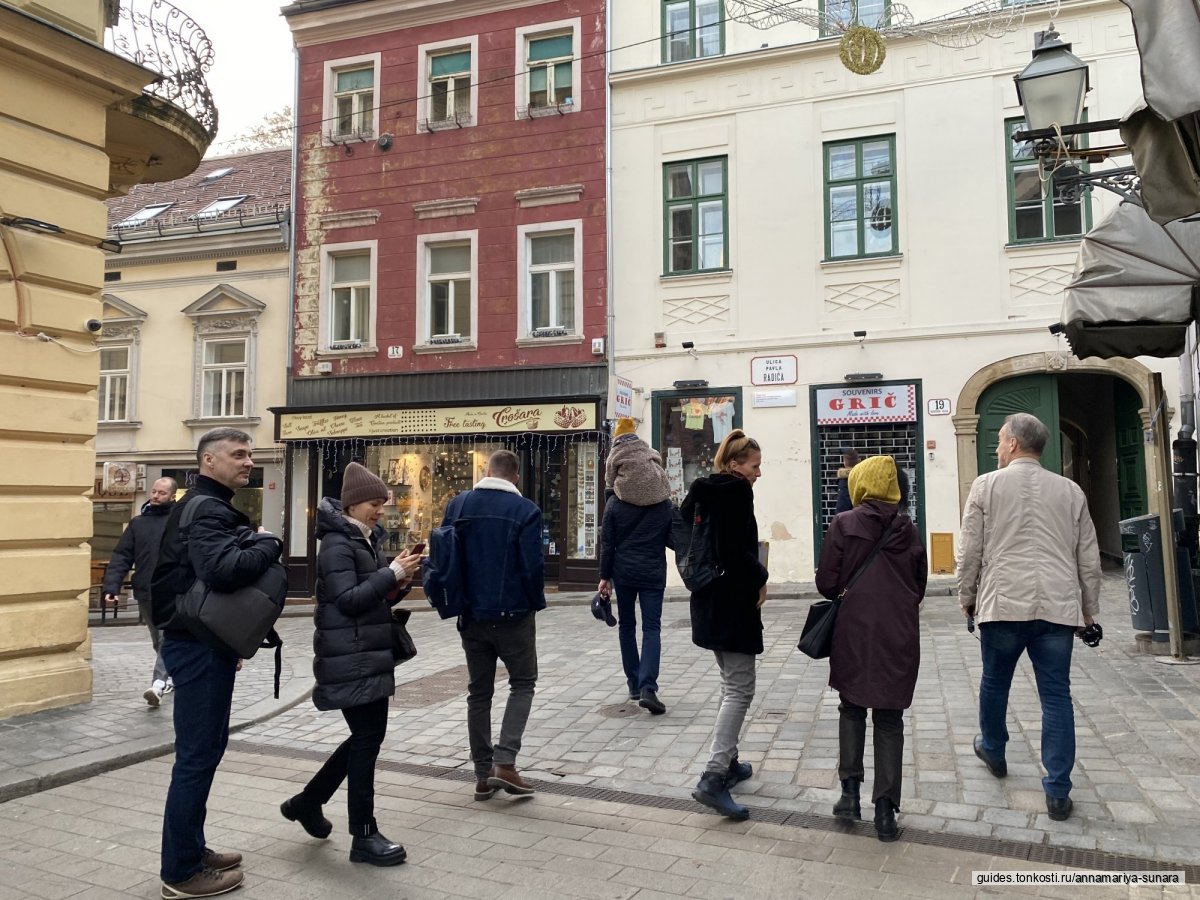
291	318
610	341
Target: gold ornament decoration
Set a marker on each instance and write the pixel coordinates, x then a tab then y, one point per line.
862	49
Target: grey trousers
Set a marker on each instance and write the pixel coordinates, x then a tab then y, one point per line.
144	611
889	748
513	642
737	691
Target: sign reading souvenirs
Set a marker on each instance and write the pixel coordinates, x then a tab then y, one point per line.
515	417
766	370
866	405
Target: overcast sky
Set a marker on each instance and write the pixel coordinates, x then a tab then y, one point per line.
254	70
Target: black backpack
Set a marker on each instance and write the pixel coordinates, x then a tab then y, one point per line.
695	548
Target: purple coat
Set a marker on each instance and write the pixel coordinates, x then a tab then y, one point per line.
877	641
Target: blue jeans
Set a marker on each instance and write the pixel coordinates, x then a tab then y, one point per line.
640	672
1049	647
203	697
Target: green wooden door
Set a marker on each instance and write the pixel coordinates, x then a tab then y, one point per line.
1035	394
1131	450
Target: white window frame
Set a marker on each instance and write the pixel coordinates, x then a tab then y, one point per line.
325	327
525	336
329	104
524	34
128	374
424	314
144	215
425	52
206	367
214	209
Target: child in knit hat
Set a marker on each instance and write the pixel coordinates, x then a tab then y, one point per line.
635	470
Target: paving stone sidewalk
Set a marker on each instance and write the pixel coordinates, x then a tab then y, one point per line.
59	745
1137	782
96	840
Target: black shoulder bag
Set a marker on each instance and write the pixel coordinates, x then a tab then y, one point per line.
816	640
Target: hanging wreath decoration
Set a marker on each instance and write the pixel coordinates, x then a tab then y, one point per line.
862	50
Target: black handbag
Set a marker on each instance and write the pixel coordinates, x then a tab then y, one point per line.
816	638
403	648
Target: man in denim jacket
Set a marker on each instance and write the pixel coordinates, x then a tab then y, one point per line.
502	546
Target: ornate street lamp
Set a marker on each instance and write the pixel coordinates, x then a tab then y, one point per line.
1051	90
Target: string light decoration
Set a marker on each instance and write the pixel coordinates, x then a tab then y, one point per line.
863	45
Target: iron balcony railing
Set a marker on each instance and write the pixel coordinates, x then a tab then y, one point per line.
161	37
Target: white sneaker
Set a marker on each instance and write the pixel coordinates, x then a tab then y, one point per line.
153	694
170	685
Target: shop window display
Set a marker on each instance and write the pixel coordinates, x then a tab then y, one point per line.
688	431
584	480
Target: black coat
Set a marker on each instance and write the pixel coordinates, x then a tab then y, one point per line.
223	551
352	645
725	615
138	550
877	640
633	543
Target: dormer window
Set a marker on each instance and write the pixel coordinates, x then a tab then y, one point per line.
145	214
215	175
220	205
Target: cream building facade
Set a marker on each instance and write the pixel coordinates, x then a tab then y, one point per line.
78	124
195	311
835	260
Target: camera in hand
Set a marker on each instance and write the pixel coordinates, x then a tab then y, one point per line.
971	619
1092	635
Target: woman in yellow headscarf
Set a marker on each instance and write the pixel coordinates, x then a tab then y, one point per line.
876	643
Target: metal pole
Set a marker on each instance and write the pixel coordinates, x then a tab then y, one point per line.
1161	452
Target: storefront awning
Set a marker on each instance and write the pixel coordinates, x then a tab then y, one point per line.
1163	132
1135	288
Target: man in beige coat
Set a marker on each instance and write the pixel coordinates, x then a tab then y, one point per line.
1030	574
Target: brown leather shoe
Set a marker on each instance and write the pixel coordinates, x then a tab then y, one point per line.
222	862
205	883
483	790
507	778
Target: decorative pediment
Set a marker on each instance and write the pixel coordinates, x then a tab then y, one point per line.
225	308
122	320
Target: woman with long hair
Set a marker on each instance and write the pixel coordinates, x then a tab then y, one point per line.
353	662
877	641
725	613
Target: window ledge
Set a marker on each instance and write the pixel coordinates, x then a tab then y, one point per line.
463	120
550	340
339	354
1049	245
129	425
541	112
222	420
891	261
336	140
426	349
714	276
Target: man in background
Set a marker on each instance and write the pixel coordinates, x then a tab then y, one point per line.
138	550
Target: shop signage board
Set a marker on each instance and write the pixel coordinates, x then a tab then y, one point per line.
766	399
851	405
623	398
507	419
767	370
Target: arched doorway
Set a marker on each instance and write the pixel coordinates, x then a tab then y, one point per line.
1095	410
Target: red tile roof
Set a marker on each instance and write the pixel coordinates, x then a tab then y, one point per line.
264	176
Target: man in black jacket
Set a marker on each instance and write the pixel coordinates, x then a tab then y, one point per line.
138	550
223	551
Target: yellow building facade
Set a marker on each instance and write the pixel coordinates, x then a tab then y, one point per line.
78	124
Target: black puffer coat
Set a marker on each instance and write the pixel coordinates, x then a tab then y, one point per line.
353	642
633	542
725	614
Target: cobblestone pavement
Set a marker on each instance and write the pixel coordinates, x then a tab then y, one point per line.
94	840
117	724
1137	781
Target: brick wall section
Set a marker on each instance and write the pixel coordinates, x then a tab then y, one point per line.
490	160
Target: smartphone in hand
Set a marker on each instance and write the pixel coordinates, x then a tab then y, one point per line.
418	549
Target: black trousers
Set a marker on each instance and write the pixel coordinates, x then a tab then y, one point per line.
889	748
354	762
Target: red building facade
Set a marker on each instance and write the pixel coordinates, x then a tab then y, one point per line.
450	260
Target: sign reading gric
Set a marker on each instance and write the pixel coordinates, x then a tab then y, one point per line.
867	405
623	397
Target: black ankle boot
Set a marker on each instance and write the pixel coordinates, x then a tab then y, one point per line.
373	848
849	805
309	817
885	820
712	792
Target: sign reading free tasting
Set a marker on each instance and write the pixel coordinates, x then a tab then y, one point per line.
866	405
514	417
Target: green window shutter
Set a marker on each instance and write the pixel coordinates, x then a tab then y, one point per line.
551	48
356	80
451	63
